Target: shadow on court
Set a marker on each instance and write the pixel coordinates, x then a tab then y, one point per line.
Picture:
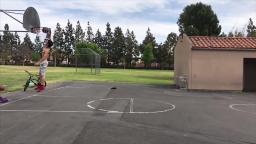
95	113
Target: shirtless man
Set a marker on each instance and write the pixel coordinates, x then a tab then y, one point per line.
43	61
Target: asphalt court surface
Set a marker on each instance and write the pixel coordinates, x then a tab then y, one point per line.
78	113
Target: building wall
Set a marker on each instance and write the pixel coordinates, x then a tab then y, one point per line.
218	70
182	56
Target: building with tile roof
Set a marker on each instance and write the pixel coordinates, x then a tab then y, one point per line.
215	63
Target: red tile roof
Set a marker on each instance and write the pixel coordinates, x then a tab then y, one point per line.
207	42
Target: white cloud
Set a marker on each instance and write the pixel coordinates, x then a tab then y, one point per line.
111	7
231	24
136	15
13	4
186	2
159	29
235	15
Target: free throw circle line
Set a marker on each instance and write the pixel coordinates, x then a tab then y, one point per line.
232	106
131	109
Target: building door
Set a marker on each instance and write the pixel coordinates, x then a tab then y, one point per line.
249	82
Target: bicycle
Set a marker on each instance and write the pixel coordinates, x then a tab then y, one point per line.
32	80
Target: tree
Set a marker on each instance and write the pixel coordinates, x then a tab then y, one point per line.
239	33
223	34
131	47
118	46
107	42
92	46
148	56
10	46
136	51
236	33
79	33
199	19
38	46
17	38
148	39
161	56
251	29
230	34
26	50
98	39
169	46
69	41
1	46
82	55
58	44
15	46
8	43
165	52
89	33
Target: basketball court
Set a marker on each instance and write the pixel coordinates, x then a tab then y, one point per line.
77	113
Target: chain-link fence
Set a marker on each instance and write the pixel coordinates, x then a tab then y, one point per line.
86	57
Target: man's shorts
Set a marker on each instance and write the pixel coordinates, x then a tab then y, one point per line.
43	67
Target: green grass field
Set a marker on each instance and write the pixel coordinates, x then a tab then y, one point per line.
14	76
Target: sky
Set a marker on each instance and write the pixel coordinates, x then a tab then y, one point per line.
138	15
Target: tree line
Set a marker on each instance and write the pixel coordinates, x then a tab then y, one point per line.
115	47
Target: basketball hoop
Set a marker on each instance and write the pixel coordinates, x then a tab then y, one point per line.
31	23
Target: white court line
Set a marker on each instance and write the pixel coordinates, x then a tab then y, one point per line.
62	87
118	112
131	105
73	87
232	106
17	100
10	102
91	107
46	111
54	96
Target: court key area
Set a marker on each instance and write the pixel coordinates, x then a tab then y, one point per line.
96	113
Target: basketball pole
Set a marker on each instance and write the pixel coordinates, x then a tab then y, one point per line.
12	31
25	23
10	10
6	12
